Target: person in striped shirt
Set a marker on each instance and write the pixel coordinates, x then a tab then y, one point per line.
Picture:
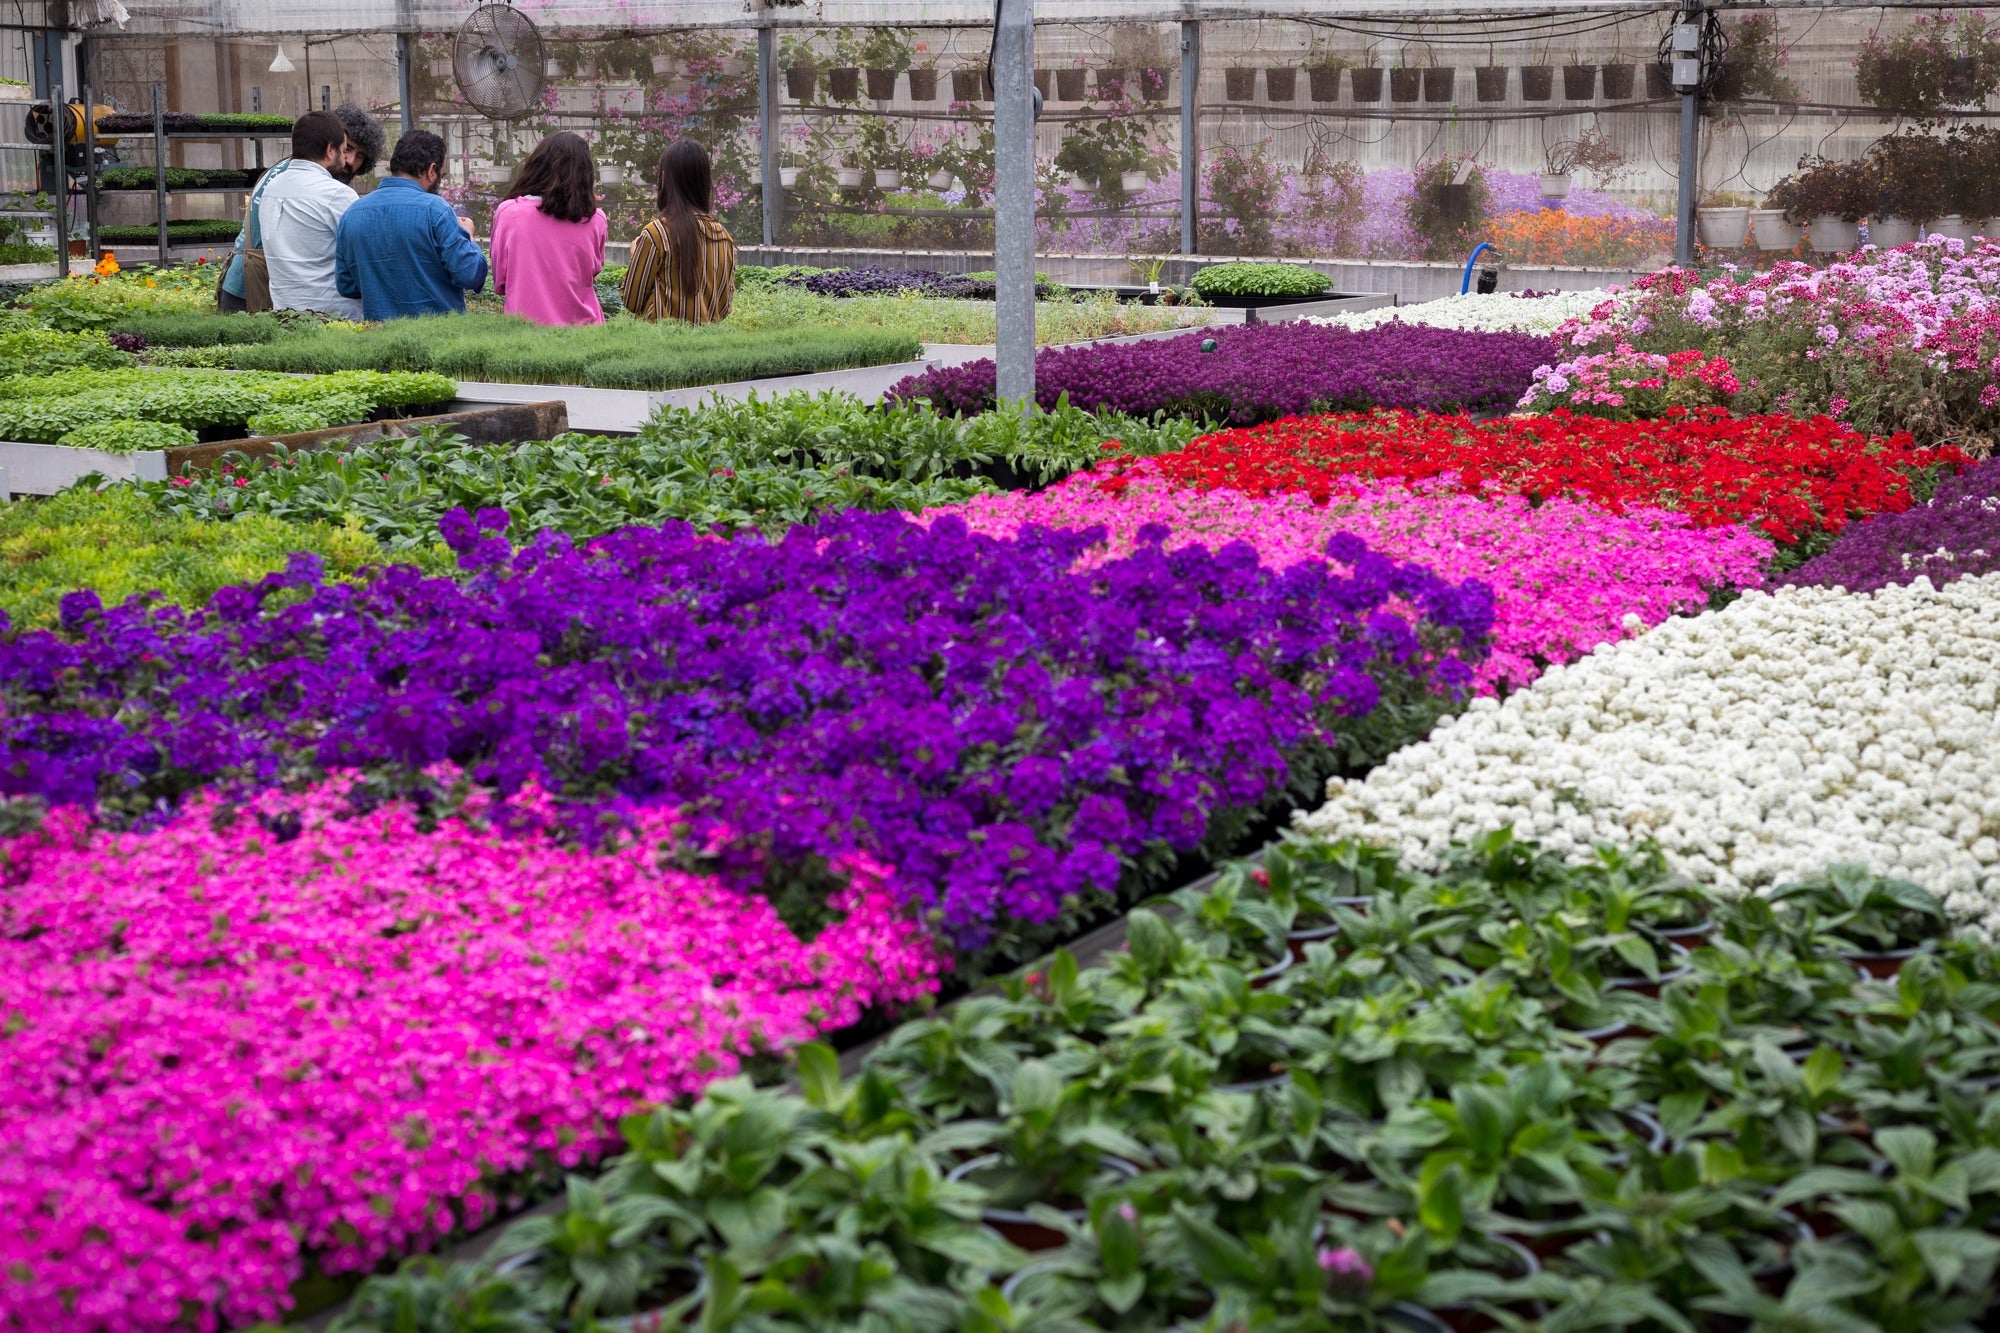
683	263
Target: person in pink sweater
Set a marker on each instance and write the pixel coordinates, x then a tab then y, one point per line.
548	236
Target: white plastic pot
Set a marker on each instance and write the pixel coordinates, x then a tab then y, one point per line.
1891	232
1990	228
611	175
1834	236
1134	181
788	177
1555	185
1771	229
888	180
848	178
939	180
1723	228
1951	225
663	66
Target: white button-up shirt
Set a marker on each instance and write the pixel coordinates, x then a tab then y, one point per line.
296	220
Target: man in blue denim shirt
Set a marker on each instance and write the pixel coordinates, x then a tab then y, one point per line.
401	249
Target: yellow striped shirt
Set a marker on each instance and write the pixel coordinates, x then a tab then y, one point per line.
652	284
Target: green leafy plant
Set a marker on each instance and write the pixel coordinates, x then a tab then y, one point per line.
124	436
45	351
117	544
1255	279
1939	61
1445	212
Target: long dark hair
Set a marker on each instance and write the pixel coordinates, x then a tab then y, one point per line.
683	188
561	173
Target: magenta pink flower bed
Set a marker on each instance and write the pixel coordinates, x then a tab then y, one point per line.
222	1051
1565	574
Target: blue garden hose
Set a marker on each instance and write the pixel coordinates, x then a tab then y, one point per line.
1465	284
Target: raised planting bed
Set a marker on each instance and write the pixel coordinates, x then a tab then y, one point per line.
1248	284
45	469
622	354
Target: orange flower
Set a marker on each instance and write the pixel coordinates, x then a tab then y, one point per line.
1550	236
107	266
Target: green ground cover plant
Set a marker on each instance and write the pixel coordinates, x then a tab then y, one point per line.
182	231
118	544
1254	279
35	351
1325	1092
46	408
768	463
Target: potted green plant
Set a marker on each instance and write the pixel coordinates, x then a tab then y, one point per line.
1489	81
923	73
1323	66
1364	80
1448	205
1914	173
884	54
1592	150
1755	65
1939	61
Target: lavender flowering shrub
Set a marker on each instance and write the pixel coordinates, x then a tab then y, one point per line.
1956	534
1261	372
1013	738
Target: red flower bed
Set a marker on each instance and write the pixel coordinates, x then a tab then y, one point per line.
1791	477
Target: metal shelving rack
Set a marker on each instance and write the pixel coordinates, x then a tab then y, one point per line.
161	137
58	211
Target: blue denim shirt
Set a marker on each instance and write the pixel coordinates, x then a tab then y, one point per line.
401	251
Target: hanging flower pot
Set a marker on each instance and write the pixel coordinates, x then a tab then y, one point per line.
1952	226
939	179
1723	228
1538	83
1069	84
799	82
844	84
1405	84
1153	83
1658	83
1366	84
1834	236
1619	81
1281	83
1555	185
848	178
1111	84
1579	82
923	85
888	179
965	84
1440	84
663	65
1324	83
881	84
1240	83
1890	232
1045	84
611	174
1772	231
1489	83
788	177
1132	182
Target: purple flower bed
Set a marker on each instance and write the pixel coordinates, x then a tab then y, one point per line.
1262	372
1011	737
872	279
1955	535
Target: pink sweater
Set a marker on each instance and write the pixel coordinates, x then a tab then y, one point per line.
545	267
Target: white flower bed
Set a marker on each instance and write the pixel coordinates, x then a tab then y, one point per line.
1497	312
1757	744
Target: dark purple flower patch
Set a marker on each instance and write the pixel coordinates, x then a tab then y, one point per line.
1013	738
873	280
1261	372
1955	535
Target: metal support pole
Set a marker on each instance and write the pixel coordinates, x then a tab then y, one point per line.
1190	137
773	189
1014	199
160	167
61	150
90	250
1690	149
406	88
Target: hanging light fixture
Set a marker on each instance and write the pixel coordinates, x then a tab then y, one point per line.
281	63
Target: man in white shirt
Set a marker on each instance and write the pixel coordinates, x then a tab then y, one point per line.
298	214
